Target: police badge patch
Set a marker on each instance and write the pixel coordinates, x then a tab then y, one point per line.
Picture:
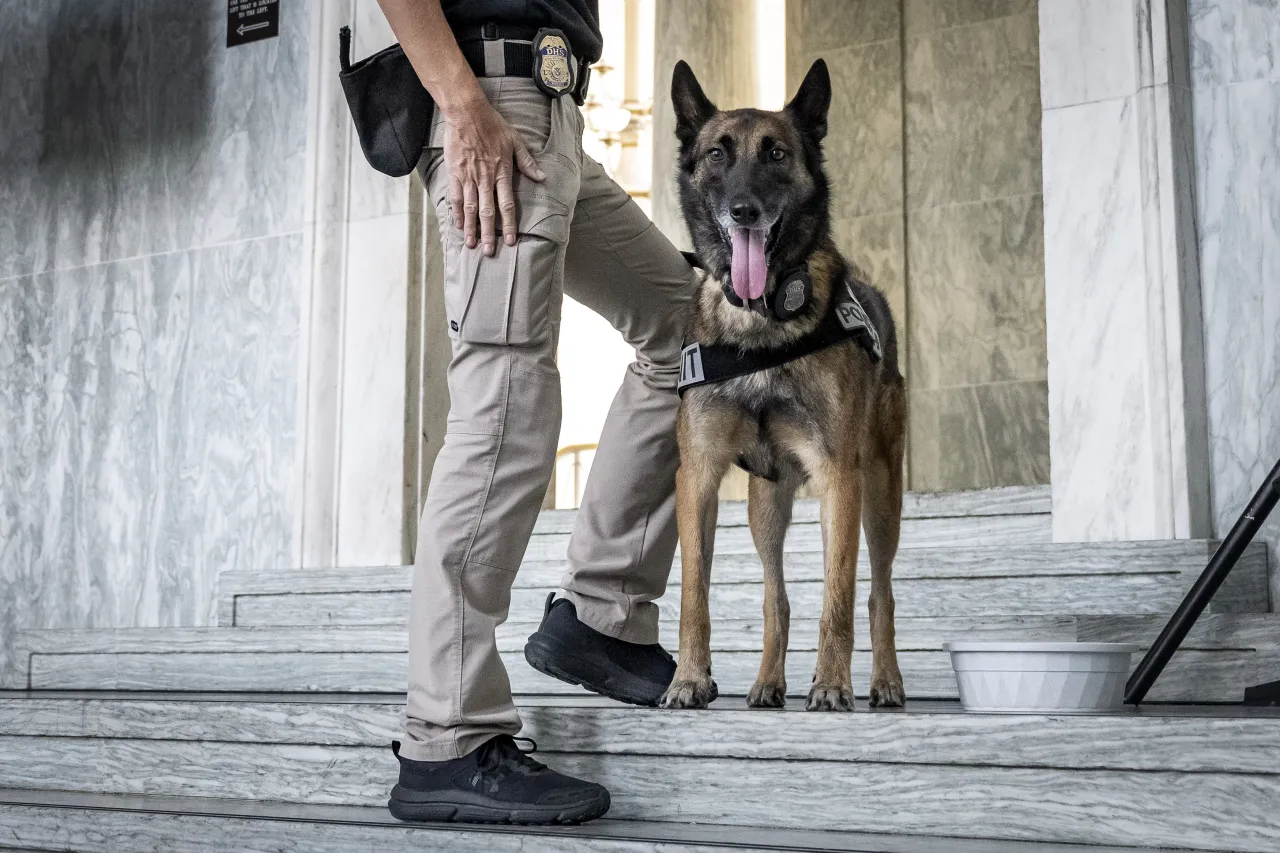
553	69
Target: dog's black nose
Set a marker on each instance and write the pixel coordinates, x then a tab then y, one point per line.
745	213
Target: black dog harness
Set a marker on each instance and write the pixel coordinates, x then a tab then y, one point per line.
846	319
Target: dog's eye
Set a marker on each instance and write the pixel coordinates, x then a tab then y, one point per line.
777	154
715	155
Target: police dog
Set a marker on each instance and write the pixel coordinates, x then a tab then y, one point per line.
755	198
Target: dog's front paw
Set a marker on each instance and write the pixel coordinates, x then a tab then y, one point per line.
764	695
829	697
887	692
690	693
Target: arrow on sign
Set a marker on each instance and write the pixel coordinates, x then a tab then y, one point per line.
242	29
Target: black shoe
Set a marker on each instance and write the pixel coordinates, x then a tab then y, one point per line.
566	649
497	783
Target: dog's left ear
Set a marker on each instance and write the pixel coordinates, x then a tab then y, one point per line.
809	106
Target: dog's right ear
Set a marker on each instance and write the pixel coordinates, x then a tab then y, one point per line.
692	106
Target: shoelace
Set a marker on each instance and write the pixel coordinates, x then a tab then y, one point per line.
503	750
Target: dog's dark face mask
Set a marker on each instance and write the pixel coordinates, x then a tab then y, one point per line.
752	187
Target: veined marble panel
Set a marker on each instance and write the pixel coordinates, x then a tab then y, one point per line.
826	25
988	435
147	436
977	293
1088	50
1237	131
371	466
973	113
1233	41
131	129
863	147
1100	431
923	16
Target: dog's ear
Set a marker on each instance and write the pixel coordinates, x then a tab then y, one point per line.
693	108
809	107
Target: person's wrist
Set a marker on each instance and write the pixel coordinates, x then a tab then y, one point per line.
463	106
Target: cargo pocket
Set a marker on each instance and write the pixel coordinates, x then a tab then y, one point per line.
507	298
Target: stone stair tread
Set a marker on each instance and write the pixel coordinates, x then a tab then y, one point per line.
1224	654
1173	556
98	823
1202	778
1188	738
976	503
1088	578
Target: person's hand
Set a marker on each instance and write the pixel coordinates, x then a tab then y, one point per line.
479	149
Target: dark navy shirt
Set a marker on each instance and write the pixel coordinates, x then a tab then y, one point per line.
580	19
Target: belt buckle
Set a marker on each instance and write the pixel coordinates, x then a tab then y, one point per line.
489	31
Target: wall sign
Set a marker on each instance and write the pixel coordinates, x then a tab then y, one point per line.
252	20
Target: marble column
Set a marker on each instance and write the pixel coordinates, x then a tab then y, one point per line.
1235	66
362	373
1128	435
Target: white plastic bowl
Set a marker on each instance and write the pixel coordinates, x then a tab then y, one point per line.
1064	678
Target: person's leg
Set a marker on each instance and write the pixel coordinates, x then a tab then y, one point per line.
491	474
622	267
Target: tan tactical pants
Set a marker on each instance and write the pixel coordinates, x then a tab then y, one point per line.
579	234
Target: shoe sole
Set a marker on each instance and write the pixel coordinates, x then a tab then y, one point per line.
549	656
404	807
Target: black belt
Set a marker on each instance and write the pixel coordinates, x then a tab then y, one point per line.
506	50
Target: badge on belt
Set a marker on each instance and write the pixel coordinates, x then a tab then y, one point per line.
553	66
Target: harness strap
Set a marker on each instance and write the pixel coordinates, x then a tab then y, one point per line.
706	364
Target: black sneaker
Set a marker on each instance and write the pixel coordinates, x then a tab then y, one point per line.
565	648
496	783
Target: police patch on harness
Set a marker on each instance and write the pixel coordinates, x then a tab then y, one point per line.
691	367
552	62
853	317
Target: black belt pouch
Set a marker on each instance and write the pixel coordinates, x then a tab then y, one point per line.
390	106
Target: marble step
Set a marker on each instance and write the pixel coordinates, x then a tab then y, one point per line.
110	823
977	503
806	535
1079	578
1224	654
1205	778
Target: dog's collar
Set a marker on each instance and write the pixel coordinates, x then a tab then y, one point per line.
846	319
792	297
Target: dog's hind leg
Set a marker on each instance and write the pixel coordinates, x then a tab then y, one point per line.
769	512
705	456
882	519
841	516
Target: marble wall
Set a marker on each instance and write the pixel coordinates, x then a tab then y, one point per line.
934	156
1235	79
975	245
150	258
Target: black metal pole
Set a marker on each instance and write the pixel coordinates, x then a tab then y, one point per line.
1242	533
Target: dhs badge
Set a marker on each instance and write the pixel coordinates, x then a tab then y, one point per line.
553	67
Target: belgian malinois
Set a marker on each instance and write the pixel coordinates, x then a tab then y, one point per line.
755	198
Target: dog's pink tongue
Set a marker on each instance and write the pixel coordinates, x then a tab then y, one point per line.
748	268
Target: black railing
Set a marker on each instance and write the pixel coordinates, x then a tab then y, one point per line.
1220	565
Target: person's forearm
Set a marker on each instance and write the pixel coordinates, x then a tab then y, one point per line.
430	45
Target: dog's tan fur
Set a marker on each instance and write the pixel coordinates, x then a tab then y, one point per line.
842	427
